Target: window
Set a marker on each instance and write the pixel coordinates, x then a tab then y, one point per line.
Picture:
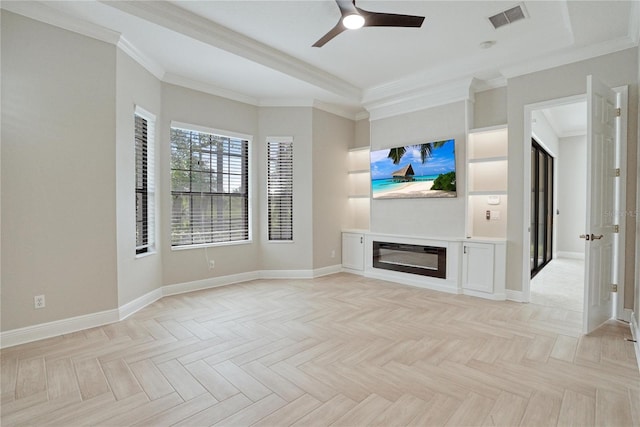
209	186
280	188
144	188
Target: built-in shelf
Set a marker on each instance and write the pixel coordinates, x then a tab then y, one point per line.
487	182
359	188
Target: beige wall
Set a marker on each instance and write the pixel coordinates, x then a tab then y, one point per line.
490	108
135	86
332	136
443	218
615	69
192	107
363	134
294	122
58	173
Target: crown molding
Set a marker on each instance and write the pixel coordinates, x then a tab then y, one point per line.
495	83
188	83
362	115
427	97
43	12
568	57
338	110
147	63
206	31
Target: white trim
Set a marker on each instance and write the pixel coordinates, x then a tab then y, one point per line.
516	296
420	99
139	303
623	99
286	274
177	19
352	271
485	295
571	56
209	283
570	255
57	327
137	55
43	11
635	333
325	271
188	83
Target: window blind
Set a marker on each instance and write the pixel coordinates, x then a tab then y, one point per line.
280	188
144	187
209	188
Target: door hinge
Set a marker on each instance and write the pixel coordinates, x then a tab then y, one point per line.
617	171
616	228
614	288
618	112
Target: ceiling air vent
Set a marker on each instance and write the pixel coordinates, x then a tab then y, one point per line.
508	16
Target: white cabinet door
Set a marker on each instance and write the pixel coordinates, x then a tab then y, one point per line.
353	251
477	266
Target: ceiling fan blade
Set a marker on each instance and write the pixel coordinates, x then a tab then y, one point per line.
339	28
377	19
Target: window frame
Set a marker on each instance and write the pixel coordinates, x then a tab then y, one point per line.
280	140
249	182
148	187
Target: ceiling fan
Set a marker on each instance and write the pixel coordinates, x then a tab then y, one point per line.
353	18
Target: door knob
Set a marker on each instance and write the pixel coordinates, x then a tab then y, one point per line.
584	236
594	237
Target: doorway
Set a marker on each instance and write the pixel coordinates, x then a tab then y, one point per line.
596	284
542	184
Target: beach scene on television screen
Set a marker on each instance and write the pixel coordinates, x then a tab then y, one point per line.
412	171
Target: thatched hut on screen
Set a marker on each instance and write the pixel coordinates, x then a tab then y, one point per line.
403	175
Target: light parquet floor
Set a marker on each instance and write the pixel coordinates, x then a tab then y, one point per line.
339	350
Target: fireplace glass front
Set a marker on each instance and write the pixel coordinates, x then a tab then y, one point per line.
415	259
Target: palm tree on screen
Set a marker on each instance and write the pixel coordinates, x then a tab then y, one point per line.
426	149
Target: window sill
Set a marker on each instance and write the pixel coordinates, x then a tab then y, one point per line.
209	245
145	254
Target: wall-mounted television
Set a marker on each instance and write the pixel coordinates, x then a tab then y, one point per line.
412	171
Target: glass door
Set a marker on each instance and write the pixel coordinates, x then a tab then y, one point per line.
541	207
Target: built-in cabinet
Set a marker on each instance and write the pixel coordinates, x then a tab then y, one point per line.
484	251
484	269
487	199
353	251
483	263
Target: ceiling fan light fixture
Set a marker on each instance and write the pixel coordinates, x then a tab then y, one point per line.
353	21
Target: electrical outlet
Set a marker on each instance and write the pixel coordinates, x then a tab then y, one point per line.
212	264
38	301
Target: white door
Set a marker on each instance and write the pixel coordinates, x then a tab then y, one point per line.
599	241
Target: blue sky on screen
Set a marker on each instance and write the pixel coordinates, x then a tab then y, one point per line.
442	160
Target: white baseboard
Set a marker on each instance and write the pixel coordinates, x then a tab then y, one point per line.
352	271
514	295
570	255
325	271
212	282
635	333
57	327
485	295
139	303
